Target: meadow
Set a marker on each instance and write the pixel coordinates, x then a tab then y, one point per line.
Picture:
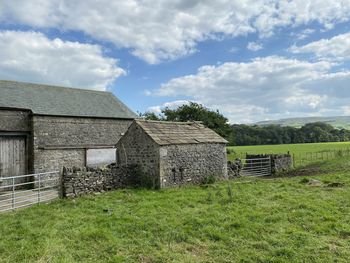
243	220
312	151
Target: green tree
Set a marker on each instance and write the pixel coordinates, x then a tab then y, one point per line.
150	116
197	112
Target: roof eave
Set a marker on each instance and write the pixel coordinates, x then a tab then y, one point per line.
82	116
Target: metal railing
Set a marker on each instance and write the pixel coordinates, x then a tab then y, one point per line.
256	167
26	190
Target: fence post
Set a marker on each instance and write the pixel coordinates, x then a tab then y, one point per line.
13	193
39	188
293	160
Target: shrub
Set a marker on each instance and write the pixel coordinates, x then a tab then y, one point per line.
229	151
304	181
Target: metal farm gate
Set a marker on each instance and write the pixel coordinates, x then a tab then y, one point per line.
26	190
256	167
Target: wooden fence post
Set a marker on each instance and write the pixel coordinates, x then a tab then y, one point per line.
293	160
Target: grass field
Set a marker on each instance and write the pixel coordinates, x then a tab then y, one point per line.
244	220
297	149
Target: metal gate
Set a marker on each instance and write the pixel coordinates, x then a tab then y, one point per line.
26	190
256	167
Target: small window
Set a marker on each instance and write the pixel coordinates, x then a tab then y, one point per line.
174	174
100	157
181	174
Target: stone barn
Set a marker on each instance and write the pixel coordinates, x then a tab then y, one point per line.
173	153
43	128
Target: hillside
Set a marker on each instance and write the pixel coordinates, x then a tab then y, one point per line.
335	121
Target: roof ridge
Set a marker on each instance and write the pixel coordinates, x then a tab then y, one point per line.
54	86
170	122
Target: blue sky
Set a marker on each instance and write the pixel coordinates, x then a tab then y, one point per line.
252	60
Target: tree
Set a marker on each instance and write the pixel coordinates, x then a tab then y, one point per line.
150	116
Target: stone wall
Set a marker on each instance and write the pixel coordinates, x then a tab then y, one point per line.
81	181
282	162
191	163
61	141
15	120
137	148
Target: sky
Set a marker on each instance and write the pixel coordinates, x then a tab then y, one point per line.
252	60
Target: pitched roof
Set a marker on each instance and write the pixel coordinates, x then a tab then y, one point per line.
166	133
62	101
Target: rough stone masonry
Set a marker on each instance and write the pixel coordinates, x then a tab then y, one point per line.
79	181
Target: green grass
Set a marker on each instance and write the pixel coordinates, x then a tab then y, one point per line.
262	220
297	149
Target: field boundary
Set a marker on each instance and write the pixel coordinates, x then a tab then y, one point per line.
302	159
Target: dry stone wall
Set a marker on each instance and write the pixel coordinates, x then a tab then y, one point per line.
81	181
282	162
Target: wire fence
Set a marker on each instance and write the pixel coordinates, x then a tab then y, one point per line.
302	159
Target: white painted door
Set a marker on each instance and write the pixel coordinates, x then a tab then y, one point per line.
12	156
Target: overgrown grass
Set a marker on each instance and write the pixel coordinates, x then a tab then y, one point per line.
244	220
297	149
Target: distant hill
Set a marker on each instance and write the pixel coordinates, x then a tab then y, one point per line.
336	121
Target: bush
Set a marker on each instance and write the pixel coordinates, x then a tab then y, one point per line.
304	181
230	151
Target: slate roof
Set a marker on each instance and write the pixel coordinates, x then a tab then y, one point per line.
168	133
62	101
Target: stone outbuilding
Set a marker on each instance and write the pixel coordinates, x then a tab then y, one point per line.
173	153
43	128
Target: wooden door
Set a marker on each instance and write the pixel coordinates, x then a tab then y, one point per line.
12	156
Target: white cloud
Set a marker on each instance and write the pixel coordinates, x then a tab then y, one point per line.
171	105
233	50
31	56
159	30
336	48
269	87
304	33
254	46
